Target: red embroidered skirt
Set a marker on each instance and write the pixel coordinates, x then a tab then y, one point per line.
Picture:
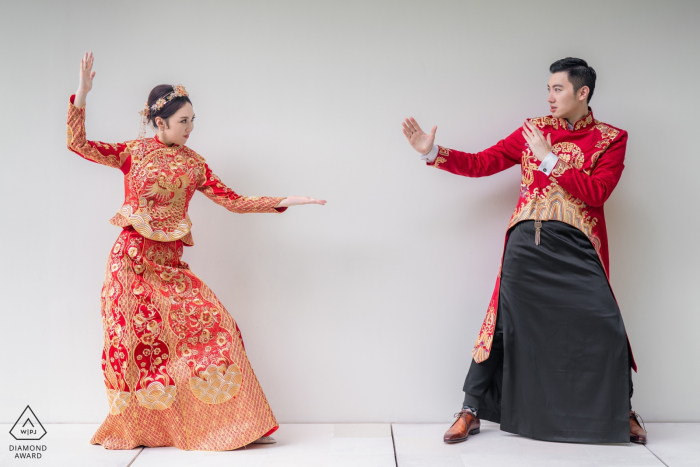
174	364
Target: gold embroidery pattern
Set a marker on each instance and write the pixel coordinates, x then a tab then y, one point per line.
482	348
559	170
194	398
156	396
584	122
443	153
159	188
438	161
217	384
77	142
242	204
542	122
569	153
118	401
555	203
529	165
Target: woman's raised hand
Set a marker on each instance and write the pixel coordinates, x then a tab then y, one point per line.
418	139
298	201
86	76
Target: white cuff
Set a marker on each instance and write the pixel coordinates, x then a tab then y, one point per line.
548	163
431	156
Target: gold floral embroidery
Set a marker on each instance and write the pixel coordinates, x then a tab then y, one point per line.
584	122
529	165
77	142
438	161
160	185
442	158
482	348
569	153
559	169
542	122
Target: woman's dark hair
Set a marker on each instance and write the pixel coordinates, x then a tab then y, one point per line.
169	108
580	74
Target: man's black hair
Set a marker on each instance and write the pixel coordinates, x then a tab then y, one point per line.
580	74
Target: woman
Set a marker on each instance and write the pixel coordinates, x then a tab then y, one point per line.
174	363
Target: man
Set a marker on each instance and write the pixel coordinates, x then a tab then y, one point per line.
552	360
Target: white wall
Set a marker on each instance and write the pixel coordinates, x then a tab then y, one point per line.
365	309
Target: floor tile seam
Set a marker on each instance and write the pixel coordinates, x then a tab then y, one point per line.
654	454
393	444
137	455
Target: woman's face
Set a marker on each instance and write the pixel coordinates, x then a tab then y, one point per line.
178	127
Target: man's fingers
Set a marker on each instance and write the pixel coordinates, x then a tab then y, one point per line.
415	124
536	131
432	132
409	125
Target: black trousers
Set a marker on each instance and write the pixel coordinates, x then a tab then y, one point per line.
559	364
481	375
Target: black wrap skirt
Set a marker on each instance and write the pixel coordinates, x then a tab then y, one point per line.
564	369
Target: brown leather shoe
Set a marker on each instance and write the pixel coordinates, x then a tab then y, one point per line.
637	433
465	425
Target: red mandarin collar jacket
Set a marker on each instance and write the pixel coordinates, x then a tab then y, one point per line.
591	159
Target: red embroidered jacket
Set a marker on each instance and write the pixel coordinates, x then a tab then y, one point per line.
159	182
591	160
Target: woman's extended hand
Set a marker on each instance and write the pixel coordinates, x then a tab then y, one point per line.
298	201
86	76
417	138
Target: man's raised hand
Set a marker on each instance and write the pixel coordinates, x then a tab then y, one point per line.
417	138
539	145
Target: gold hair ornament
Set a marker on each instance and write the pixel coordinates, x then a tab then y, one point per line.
178	91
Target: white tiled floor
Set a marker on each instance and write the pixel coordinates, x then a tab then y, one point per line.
66	446
370	445
358	445
677	444
422	446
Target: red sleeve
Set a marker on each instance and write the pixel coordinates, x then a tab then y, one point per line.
503	155
112	155
596	188
214	189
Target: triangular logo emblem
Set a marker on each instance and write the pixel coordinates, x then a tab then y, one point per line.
28	427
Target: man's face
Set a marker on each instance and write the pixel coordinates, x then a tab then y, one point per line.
563	101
